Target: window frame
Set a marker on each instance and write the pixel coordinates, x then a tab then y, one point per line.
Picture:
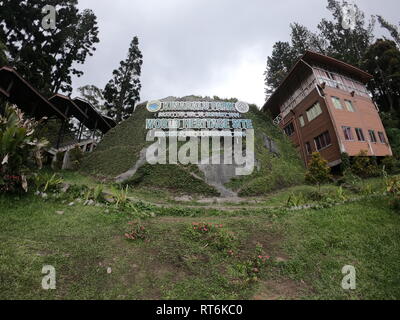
313	113
292	131
308	148
326	136
337	99
372	136
302	121
346	101
350	133
382	136
358	132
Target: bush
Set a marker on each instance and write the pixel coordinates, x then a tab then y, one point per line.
20	151
346	163
76	155
318	170
364	166
391	165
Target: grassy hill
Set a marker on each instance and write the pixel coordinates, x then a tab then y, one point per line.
121	146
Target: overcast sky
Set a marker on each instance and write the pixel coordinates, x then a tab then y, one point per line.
202	47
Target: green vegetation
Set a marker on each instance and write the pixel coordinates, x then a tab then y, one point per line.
318	170
273	171
289	245
20	151
122	145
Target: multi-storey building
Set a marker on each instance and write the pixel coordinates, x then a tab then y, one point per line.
323	105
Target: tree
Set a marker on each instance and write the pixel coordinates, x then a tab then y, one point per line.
393	30
47	58
3	55
318	170
346	44
94	95
278	65
122	91
382	60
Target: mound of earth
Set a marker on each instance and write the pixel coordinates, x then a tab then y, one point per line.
121	156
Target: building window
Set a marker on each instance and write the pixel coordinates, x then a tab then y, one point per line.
372	136
349	105
322	141
348	135
308	148
314	112
289	129
382	137
301	120
337	103
360	134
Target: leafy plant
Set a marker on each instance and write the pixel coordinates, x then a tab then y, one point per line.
318	170
363	166
76	155
295	200
120	195
137	231
46	183
214	235
20	151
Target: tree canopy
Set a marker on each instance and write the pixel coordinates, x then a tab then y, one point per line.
47	58
346	44
122	92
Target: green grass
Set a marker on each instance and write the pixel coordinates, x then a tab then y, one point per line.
312	245
120	148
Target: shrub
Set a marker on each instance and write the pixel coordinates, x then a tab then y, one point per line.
137	231
76	155
364	166
318	170
391	165
346	163
20	151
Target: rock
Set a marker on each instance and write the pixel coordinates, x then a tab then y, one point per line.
65	187
109	199
280	259
44	195
183	198
91	203
71	204
109	270
60	212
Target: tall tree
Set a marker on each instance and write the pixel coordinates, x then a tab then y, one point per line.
94	95
347	44
278	64
123	91
47	57
382	60
3	55
393	30
332	38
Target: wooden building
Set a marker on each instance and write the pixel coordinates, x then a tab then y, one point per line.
323	105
